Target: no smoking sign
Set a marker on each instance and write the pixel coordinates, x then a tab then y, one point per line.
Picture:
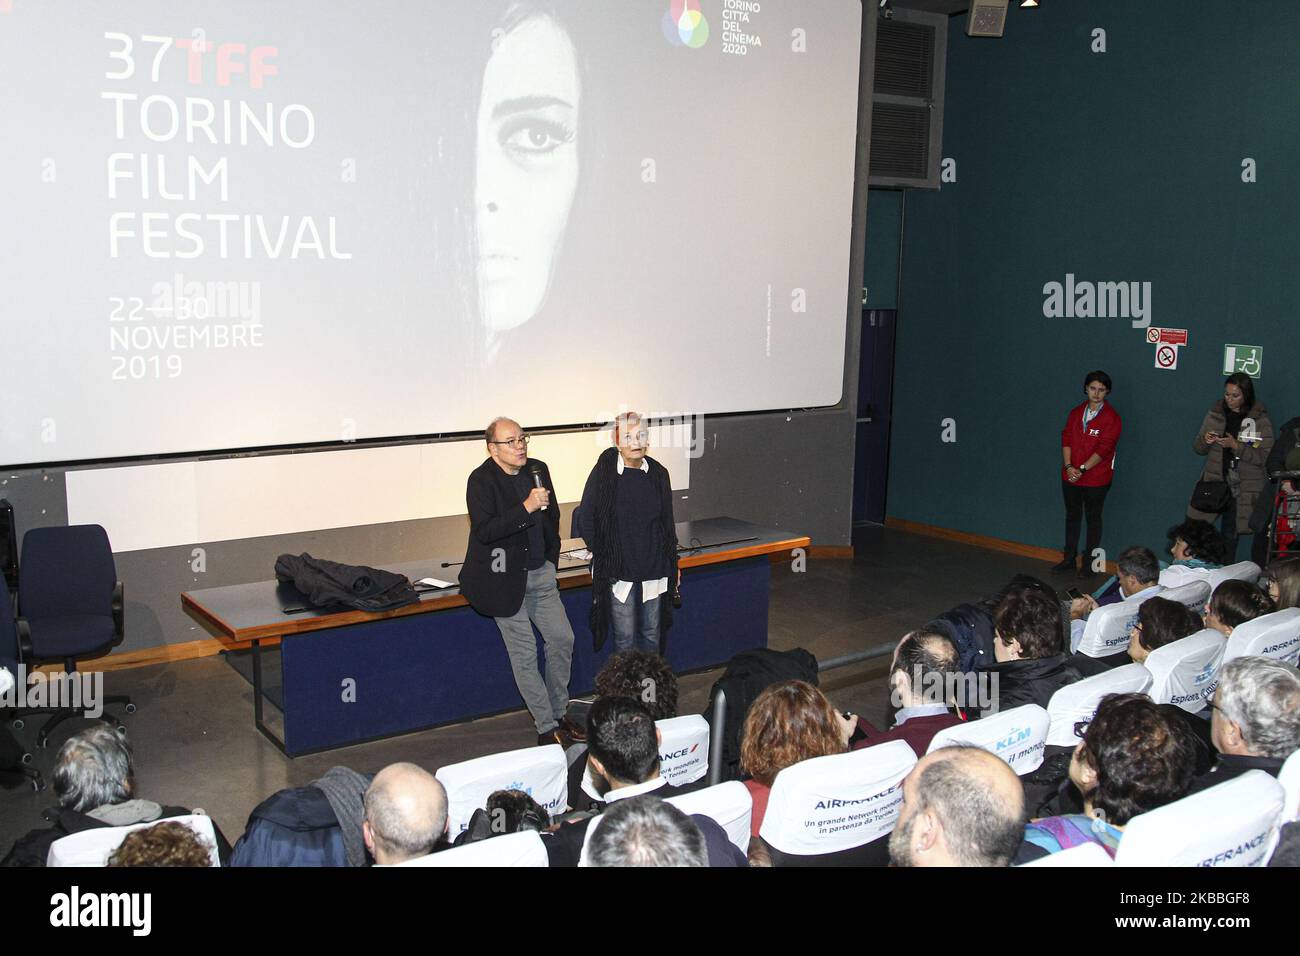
1167	343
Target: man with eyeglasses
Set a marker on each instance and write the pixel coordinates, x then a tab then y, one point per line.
627	523
509	573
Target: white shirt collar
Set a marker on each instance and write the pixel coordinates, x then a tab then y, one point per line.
645	465
635	790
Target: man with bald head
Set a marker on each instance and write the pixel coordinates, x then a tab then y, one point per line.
962	806
405	814
509	573
922	676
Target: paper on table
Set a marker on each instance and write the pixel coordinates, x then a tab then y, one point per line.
434	583
578	554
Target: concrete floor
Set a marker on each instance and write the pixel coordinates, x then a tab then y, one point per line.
195	744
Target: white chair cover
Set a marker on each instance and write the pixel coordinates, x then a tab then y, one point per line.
1017	736
1186	672
540	772
728	804
683	749
1275	635
1107	628
94	847
1078	701
828	804
509	849
1233	824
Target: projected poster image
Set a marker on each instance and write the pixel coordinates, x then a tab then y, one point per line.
252	225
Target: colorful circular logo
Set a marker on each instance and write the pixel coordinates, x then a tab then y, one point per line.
685	25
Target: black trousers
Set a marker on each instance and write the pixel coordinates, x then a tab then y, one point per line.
1078	502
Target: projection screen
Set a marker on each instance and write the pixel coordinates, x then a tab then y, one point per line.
245	224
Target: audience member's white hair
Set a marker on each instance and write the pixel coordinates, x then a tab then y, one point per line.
1262	697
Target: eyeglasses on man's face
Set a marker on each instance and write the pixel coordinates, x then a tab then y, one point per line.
519	441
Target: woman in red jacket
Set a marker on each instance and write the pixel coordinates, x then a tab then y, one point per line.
1088	448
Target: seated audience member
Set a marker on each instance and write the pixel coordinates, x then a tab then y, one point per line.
94	782
646	831
1233	604
1196	548
1281	581
1138	577
1159	622
405	814
1256	719
315	825
623	751
962	806
163	844
1135	756
642	676
506	811
1030	664
788	722
923	672
639	675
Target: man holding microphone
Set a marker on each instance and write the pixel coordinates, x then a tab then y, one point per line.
509	573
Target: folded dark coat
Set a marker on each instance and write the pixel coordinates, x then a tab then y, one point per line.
328	583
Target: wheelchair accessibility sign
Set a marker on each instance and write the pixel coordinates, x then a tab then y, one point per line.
1243	358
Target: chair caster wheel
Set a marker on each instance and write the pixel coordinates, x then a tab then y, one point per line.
19	723
27	760
38	785
42	742
130	708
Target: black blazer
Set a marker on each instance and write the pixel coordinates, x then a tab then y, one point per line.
498	519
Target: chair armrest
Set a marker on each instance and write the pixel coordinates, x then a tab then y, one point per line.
119	604
24	638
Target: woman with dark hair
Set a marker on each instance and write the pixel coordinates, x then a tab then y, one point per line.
1088	443
1196	548
1160	622
788	722
1234	603
1235	437
1134	757
1282	582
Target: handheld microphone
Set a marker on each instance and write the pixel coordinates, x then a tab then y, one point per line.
535	470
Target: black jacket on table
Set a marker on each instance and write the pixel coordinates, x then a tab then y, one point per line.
498	519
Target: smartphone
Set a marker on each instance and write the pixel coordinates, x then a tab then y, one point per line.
1074	593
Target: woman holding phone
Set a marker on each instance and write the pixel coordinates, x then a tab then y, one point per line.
1235	437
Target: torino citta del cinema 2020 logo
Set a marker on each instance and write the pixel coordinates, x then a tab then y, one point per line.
685	24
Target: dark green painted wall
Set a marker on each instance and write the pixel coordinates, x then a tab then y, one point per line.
884	217
1123	165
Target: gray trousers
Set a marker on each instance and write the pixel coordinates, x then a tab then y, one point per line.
548	701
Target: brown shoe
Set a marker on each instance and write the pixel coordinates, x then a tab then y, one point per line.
573	729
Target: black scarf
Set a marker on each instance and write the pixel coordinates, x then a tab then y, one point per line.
607	562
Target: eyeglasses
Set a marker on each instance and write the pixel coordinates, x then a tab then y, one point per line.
520	442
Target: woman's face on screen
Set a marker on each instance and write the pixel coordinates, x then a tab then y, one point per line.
526	167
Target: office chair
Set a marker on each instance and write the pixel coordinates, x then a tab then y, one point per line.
70	605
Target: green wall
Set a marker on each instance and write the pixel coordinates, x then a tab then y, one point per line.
1123	165
884	218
